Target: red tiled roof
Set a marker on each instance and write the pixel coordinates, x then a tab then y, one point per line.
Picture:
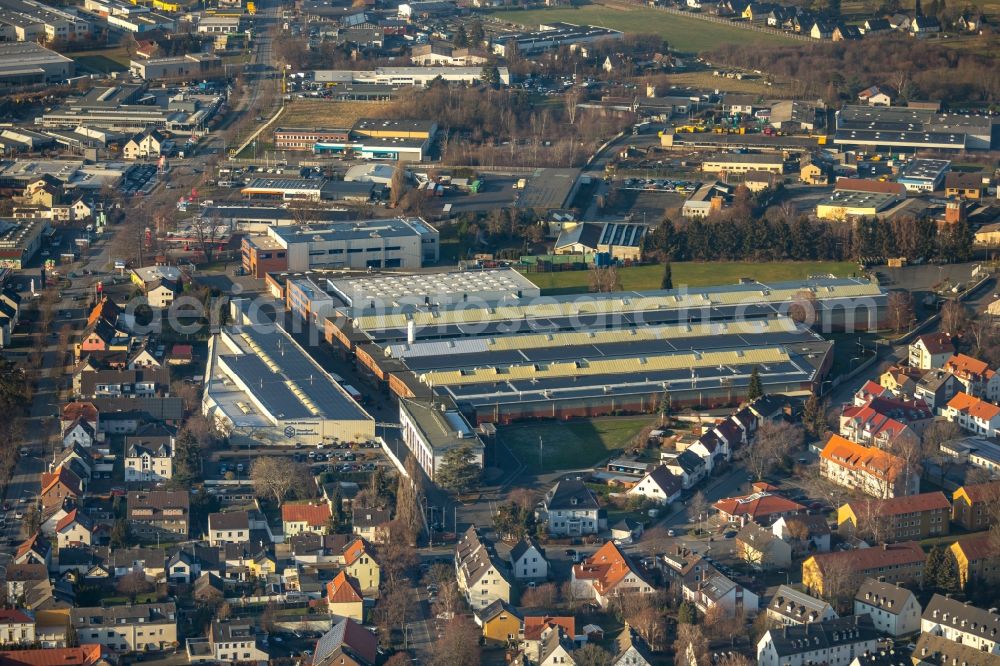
354	550
14	616
977	547
314	515
865	559
967	367
75	410
983	492
937	343
757	506
863	185
906	504
605	568
86	654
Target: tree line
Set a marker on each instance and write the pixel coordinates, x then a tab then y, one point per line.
749	238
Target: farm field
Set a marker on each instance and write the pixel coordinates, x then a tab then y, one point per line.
693	274
571	444
682	33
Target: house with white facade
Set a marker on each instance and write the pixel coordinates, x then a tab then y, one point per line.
893	609
973	414
481	575
570	509
527	560
660	485
833	642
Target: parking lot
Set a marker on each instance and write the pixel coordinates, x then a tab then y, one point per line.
138	179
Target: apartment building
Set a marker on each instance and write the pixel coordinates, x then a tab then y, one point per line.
834	642
911	517
868	469
134	628
975	376
298	518
896	563
570	509
973	414
481	575
931	351
789	606
977	559
971	505
893	609
159	514
962	623
149	458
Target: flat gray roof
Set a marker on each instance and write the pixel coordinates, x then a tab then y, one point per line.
389	228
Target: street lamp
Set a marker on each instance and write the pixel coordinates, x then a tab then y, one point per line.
856	358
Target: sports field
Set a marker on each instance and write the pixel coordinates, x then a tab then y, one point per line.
693	274
681	32
570	444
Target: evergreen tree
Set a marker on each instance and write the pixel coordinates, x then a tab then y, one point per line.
918	10
932	8
687	613
756	388
337	518
933	565
458	471
833	8
947	579
668	278
476	34
490	75
814	416
461	37
120	534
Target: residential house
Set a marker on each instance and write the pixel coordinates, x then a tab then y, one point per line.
924	25
124	629
527	560
347	643
846	32
709	588
228	527
58	486
965	185
876	26
933	650
144	144
936	388
789	606
352	554
248	562
76	529
867	469
877	96
761	548
149	458
297	518
501	623
144	382
973	414
869	390
556	648
975	376
235	641
901	381
608	573
159	514
83	411
931	350
805	533
570	509
834	642
762	506
343	598
885	422
813	171
371	524
149	561
688	465
894	610
35	549
907	518
631	650
978	561
481	575
79	433
16	627
660	486
962	623
538	627
896	563
971	505
971	22
821	30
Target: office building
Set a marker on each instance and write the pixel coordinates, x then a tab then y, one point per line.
922	175
189	66
432	428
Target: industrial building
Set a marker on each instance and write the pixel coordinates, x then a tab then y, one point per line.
256	219
140	23
551	36
30	21
431	428
24	63
923	175
404	242
192	65
20	240
909	129
845	205
134	108
743	162
301	138
406	150
588	372
621	241
407	76
265	387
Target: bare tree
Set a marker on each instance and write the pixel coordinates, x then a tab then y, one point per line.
208	234
954	317
458	645
871	523
572	100
274	477
935	435
592	654
133	584
408	493
604	280
397	186
542	596
901	311
840	582
698	506
691	646
734	659
774	440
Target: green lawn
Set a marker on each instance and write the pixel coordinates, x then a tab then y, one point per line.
693	274
681	32
571	444
101	61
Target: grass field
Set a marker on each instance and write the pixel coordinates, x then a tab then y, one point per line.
681	32
705	80
693	274
571	444
101	61
324	113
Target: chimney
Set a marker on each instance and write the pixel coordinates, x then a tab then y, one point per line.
954	211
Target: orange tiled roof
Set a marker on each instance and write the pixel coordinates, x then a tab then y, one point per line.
861	458
866	559
974	407
605	568
535	625
341	590
85	655
354	550
314	515
964	366
758	505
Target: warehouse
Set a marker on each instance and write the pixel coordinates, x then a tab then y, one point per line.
192	65
407	76
923	175
287	189
257	219
387	292
550	37
140	23
834	303
308	300
30	21
743	162
387	243
406	150
20	240
909	129
27	62
300	138
592	371
264	386
845	205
